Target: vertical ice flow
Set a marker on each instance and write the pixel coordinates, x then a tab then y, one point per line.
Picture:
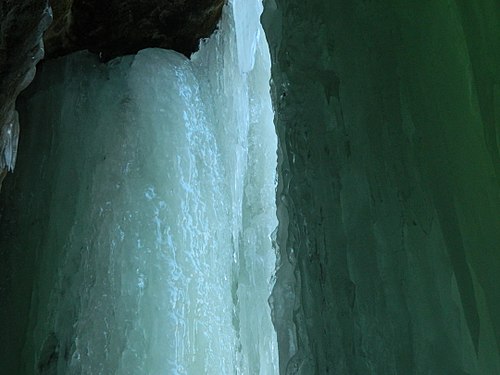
160	188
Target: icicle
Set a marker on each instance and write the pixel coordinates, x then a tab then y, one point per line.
8	143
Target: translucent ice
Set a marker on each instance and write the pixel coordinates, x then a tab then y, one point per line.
9	137
154	197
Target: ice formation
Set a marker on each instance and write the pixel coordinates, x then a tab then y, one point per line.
153	198
388	194
22	49
147	198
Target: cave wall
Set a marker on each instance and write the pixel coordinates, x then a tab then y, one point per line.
22	24
387	115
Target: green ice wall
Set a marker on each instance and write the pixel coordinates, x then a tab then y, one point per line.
388	118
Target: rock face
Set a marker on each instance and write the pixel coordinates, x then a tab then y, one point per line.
120	27
22	23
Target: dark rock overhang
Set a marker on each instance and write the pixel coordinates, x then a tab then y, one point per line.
119	27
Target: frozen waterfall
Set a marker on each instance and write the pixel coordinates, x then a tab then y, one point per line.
153	192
